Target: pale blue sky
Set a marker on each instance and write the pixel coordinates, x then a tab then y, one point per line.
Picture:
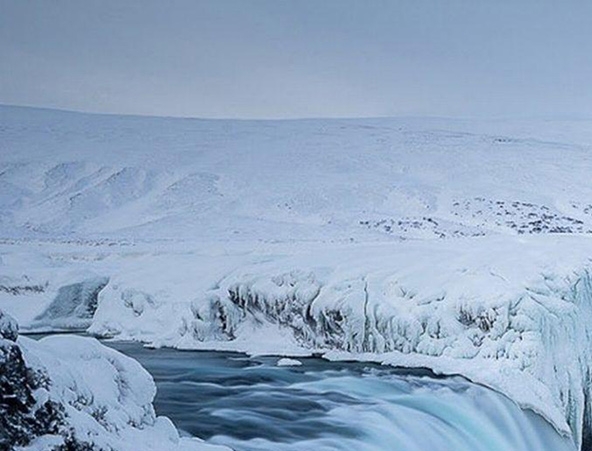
279	58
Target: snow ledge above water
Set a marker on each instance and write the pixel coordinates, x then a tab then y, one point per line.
513	314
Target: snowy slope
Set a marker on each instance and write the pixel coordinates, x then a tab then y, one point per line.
462	246
130	177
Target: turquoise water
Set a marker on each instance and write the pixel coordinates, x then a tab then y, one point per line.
251	404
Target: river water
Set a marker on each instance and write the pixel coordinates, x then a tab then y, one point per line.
251	404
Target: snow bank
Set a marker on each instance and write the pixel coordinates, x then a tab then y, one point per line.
107	397
72	391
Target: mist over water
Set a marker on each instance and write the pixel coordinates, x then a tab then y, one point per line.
251	404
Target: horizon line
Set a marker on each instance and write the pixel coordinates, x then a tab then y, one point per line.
492	117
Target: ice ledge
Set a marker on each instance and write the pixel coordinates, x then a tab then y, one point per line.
512	314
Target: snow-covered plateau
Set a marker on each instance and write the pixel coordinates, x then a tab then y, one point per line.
460	246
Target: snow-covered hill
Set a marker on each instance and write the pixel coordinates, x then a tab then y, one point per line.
67	174
462	246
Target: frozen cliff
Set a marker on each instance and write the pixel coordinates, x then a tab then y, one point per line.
514	315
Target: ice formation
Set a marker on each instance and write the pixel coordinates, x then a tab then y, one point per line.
288	362
73	306
512	314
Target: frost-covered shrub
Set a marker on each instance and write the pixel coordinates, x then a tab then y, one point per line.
71	443
22	418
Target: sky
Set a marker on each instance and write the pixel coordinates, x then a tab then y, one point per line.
299	58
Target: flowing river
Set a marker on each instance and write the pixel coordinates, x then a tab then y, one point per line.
251	403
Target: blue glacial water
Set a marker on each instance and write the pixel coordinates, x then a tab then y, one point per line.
249	403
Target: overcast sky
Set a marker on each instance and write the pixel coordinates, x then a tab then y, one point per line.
318	58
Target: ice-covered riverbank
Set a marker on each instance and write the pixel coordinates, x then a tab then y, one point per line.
509	313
